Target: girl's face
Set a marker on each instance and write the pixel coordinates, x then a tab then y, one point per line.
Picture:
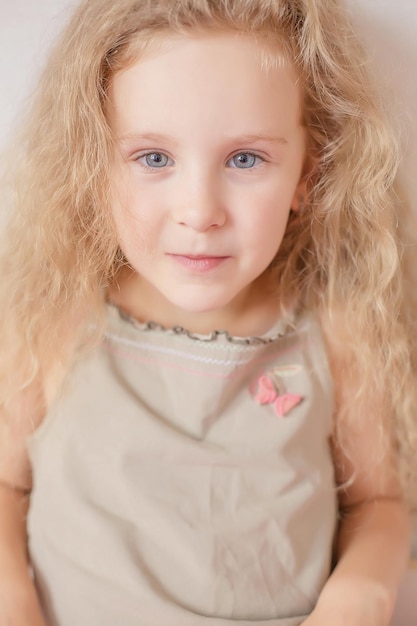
209	154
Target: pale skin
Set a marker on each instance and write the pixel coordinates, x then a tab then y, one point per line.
209	191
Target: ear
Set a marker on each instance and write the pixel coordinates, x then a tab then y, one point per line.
302	193
299	197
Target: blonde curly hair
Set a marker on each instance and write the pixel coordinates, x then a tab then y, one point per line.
340	255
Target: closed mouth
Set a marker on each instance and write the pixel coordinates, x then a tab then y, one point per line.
199	262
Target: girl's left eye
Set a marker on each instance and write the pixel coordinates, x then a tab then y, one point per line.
154	160
245	160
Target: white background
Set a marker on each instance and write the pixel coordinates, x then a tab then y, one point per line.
387	27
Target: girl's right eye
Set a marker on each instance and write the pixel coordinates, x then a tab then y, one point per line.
154	160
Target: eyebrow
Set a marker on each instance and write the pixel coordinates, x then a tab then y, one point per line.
242	139
248	139
135	136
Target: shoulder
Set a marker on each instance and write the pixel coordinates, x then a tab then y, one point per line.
19	418
27	393
363	449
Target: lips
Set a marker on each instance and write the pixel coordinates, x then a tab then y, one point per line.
198	263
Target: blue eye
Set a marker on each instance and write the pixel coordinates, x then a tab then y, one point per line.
244	160
154	160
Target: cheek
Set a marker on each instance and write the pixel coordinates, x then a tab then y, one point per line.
267	221
128	209
132	231
134	215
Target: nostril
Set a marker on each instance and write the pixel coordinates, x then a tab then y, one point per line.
201	219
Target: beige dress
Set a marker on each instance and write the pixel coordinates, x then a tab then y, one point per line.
186	480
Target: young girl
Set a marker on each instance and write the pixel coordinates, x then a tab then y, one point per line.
206	386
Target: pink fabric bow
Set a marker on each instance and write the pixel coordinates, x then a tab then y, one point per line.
267	394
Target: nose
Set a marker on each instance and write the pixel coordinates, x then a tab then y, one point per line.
198	203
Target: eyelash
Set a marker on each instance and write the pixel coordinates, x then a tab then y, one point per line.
141	157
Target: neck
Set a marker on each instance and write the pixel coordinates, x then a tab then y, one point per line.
252	313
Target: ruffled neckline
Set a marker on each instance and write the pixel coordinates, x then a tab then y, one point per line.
279	329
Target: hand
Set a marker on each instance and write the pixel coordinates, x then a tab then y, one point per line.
352	604
343	617
20	607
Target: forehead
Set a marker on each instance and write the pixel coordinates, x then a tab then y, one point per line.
220	76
